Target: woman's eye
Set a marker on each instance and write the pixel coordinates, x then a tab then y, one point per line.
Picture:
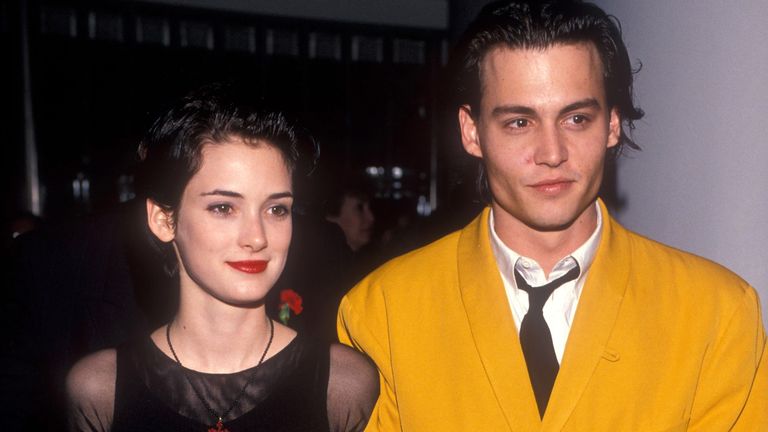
279	210
220	209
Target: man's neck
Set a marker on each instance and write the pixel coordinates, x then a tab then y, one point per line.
545	247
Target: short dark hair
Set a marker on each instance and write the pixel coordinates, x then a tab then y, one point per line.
535	24
171	152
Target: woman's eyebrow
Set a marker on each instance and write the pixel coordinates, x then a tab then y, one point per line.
231	194
281	195
225	193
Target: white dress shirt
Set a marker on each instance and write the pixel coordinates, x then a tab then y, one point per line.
560	308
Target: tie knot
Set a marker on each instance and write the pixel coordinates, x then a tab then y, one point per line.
537	296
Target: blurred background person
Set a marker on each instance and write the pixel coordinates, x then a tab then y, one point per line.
349	207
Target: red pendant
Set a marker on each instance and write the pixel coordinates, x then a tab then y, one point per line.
219	427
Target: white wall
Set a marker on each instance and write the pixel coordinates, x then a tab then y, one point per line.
701	181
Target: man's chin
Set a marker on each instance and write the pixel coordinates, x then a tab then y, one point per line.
555	220
551	225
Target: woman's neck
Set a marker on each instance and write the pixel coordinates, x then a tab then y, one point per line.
211	336
224	341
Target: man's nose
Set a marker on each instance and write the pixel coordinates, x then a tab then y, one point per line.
550	148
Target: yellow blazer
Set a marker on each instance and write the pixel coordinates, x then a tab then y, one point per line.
662	341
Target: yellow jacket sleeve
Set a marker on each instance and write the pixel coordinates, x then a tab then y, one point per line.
354	331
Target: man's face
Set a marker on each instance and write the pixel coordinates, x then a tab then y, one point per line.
543	131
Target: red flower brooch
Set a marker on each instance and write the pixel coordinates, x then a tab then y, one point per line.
290	301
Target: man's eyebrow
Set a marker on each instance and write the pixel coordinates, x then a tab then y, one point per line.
584	103
524	110
225	193
512	109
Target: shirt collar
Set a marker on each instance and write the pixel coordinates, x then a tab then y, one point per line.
507	259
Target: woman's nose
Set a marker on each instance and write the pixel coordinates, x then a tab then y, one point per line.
253	235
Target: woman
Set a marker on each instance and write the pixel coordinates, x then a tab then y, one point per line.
217	178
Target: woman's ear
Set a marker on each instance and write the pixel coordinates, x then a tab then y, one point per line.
160	221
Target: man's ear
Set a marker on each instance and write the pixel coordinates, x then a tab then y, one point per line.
469	138
160	221
614	127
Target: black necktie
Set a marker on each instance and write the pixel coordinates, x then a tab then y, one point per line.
536	340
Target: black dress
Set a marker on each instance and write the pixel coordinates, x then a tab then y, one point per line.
305	387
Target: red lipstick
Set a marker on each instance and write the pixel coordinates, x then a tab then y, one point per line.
249	266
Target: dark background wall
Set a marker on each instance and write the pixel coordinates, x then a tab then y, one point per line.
366	84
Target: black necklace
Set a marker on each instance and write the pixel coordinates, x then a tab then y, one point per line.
220	422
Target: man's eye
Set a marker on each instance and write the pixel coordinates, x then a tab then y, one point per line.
519	123
220	209
578	119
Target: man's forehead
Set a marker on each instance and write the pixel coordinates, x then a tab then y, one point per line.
502	49
503	64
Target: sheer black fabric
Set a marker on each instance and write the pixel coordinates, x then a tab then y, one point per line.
305	387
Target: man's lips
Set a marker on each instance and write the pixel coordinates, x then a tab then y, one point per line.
552	186
249	266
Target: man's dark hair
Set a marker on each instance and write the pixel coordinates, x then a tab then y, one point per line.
532	24
171	152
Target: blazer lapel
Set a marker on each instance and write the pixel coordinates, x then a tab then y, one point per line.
493	327
595	318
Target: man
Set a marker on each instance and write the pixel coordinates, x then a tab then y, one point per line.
544	314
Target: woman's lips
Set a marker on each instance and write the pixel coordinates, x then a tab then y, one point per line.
249	266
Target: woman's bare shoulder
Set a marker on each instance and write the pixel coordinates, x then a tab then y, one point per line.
353	387
91	391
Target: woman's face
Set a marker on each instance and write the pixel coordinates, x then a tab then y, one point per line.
233	225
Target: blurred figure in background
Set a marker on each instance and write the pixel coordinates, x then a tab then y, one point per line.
23	223
349	207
